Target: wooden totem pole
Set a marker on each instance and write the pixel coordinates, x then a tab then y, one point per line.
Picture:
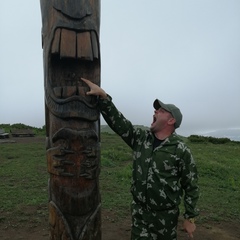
70	37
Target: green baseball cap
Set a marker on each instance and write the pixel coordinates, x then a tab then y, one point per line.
175	111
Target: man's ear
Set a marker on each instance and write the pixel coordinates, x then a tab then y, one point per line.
171	121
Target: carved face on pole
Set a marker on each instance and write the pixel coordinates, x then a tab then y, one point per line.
71	51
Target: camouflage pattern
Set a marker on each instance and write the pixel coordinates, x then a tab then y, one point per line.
155	225
161	176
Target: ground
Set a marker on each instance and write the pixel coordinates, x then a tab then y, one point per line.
112	227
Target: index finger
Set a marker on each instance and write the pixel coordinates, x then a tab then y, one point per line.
86	80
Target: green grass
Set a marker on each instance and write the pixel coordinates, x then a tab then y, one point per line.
23	179
115	178
219	180
23	183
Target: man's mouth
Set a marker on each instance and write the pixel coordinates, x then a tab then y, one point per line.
154	120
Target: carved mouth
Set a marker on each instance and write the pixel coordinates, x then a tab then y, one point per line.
72	55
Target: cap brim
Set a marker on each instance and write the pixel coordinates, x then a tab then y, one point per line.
158	104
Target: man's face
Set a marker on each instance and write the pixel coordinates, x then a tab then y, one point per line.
161	119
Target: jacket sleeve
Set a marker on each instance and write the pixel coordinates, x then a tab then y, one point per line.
116	121
189	183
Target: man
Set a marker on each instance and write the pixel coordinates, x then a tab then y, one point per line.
163	169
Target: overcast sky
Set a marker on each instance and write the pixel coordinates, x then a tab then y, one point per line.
185	52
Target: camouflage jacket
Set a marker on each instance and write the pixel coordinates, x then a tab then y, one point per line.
160	175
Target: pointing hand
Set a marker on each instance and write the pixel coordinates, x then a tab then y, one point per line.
94	89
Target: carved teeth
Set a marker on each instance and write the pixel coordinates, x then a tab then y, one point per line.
69	91
79	45
58	92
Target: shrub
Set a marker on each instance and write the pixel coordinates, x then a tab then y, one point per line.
218	140
197	139
202	139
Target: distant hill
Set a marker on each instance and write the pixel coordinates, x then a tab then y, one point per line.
233	134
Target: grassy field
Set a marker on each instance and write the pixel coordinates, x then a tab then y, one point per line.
23	179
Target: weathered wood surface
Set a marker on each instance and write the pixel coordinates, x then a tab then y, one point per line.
70	34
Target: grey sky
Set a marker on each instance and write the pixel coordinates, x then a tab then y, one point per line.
183	52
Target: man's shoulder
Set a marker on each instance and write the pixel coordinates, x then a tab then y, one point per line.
143	133
175	138
179	142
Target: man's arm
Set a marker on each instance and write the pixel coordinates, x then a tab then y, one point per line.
115	119
190	186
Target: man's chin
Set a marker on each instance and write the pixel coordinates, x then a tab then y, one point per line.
152	128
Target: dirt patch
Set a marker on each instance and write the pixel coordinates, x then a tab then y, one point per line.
112	228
